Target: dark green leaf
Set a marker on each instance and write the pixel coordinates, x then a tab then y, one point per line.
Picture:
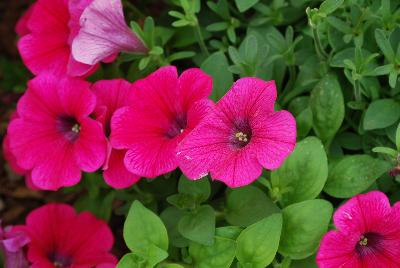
381	114
199	189
244	5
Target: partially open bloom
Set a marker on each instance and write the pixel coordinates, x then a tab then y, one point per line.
54	137
104	33
112	95
368	235
62	238
241	134
162	112
12	241
48	30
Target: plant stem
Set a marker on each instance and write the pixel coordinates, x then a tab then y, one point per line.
357	90
200	39
318	45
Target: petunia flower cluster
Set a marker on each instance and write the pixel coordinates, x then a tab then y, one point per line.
64	125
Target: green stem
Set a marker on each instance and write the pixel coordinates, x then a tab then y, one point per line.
357	90
200	38
318	45
292	79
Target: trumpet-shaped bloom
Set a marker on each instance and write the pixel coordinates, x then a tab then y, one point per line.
53	136
164	109
241	134
49	28
12	241
62	238
104	33
367	235
112	95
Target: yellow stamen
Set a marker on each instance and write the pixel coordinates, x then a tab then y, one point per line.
241	136
363	241
76	128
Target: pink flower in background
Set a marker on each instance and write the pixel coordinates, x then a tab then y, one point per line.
112	95
21	28
368	234
163	111
241	135
104	33
12	241
54	137
49	28
62	238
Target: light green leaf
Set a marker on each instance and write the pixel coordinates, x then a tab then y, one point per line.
354	174
304	172
381	114
247	205
199	226
384	44
145	234
219	255
304	224
329	6
257	244
327	106
132	260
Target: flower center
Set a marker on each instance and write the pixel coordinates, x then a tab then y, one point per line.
241	134
69	127
369	243
59	260
177	126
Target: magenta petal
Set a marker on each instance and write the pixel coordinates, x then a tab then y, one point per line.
21	28
350	217
194	85
91	146
116	175
104	33
10	158
338	250
275	136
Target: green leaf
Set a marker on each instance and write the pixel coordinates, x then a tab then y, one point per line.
244	5
304	224
171	216
398	137
181	55
145	234
218	26
251	49
304	172
199	226
384	44
219	255
385	150
217	65
199	189
247	205
327	106
329	6
354	174
381	114
304	122
100	205
231	232
257	244
132	260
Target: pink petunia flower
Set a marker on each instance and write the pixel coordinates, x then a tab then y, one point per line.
62	238
49	28
112	95
104	33
241	135
163	111
368	235
54	137
12	241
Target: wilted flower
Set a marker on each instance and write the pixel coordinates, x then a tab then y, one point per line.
162	112
53	136
112	95
368	234
241	134
104	33
62	238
